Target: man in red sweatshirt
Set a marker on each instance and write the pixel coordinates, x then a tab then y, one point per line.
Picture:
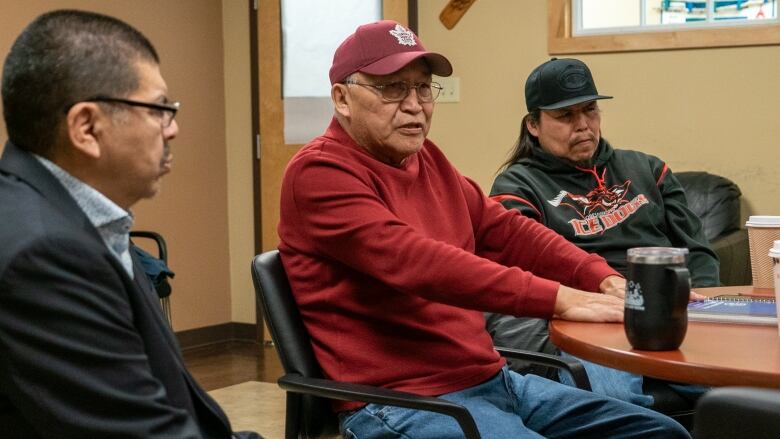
393	256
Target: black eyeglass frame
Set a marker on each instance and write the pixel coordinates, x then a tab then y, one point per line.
381	87
171	107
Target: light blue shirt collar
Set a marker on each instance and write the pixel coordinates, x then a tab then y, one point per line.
111	221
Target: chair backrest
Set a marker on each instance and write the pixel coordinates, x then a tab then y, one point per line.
738	412
292	342
714	199
156	268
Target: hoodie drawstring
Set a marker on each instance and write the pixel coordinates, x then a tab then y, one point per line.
599	180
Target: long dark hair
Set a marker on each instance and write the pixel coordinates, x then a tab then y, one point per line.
523	147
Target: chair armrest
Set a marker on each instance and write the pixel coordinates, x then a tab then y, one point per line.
325	388
573	367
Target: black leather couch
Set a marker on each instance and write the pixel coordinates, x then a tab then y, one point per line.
716	200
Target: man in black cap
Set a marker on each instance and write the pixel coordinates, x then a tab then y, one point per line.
565	175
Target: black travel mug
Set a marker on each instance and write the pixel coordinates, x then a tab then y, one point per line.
657	293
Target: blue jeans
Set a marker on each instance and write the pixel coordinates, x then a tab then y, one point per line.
622	385
511	405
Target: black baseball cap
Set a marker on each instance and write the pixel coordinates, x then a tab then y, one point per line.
560	83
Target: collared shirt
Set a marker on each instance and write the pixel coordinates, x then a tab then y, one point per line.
111	221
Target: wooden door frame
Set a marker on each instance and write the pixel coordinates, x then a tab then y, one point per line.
254	66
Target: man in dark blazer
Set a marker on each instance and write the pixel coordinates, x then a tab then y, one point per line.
84	349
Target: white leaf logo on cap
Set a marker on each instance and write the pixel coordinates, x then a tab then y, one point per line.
403	35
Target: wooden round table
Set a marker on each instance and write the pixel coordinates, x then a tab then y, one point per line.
714	354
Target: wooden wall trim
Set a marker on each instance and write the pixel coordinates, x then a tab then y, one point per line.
397	10
232	331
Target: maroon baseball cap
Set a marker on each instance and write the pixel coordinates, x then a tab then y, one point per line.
382	48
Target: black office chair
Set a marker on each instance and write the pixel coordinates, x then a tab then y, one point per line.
716	201
157	275
309	414
738	412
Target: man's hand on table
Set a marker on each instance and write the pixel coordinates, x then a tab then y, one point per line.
696	297
613	286
582	306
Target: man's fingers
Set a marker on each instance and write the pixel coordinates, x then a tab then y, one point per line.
696	297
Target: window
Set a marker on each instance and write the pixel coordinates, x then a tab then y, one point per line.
588	26
311	31
619	16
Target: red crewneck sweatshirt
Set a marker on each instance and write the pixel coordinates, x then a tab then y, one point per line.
393	267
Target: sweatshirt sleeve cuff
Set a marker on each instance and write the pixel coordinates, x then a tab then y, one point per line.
592	273
540	299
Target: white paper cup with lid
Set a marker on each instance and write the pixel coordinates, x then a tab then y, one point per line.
763	230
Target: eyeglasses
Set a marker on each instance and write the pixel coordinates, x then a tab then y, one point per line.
398	91
166	112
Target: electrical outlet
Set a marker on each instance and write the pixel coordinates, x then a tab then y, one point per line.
450	91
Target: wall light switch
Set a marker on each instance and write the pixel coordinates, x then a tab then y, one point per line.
450	91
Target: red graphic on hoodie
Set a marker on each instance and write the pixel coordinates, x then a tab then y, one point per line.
600	209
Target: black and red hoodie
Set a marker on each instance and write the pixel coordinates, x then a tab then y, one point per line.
625	199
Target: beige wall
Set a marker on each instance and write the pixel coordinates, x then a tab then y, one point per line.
706	109
192	210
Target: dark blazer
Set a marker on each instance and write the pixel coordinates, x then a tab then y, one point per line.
84	349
